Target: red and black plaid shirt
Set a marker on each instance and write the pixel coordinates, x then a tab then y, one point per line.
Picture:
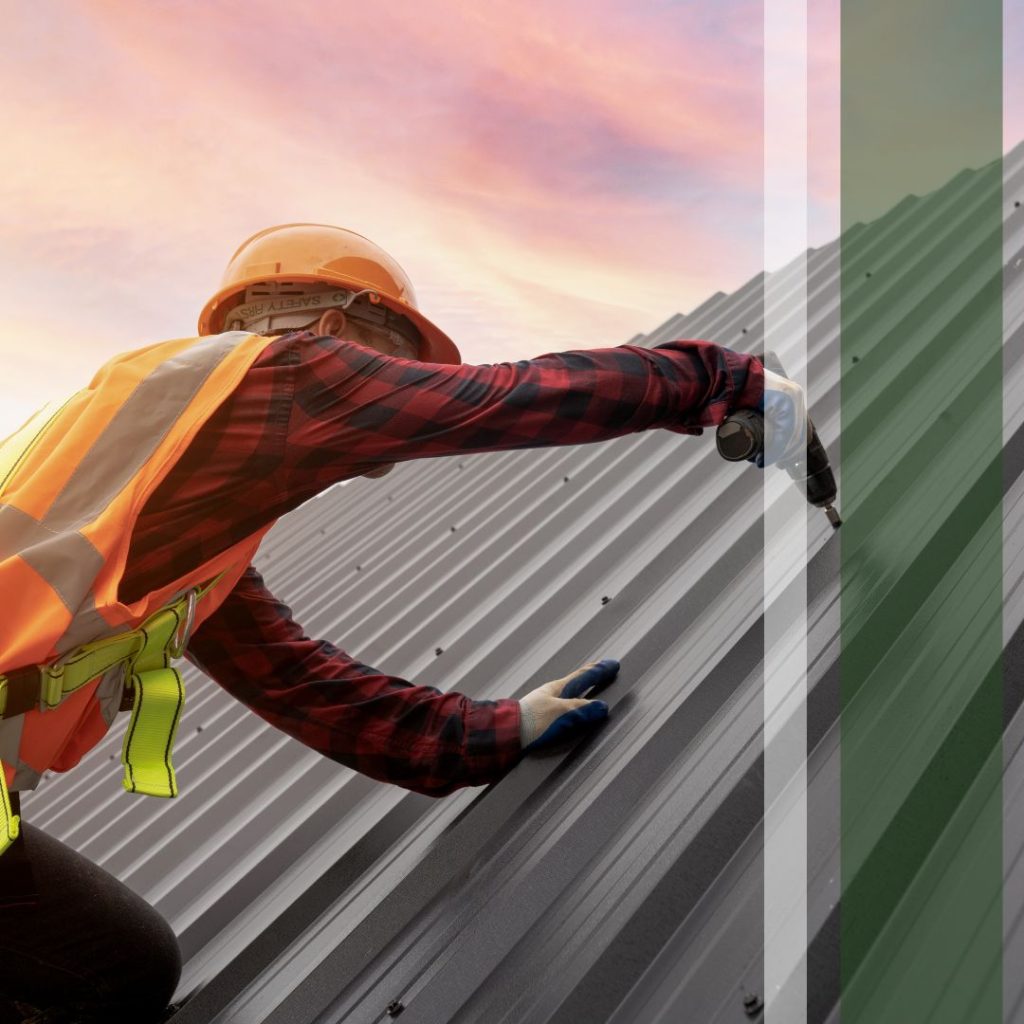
315	410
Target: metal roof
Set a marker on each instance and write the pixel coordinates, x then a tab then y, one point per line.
619	878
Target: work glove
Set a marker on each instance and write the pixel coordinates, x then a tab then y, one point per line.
557	709
784	408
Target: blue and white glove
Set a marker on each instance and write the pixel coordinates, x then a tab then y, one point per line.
784	408
558	709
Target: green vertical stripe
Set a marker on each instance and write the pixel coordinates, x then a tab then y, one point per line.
921	392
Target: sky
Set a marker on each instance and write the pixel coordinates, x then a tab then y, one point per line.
551	176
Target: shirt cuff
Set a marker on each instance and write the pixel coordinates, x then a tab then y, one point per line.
493	747
747	374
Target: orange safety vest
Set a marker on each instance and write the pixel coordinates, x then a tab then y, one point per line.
73	480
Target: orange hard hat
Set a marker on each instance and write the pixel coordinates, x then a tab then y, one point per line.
324	254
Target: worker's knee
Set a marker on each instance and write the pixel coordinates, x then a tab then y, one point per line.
89	950
142	994
139	991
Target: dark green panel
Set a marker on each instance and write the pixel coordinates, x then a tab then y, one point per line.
921	393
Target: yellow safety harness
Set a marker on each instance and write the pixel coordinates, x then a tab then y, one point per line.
153	692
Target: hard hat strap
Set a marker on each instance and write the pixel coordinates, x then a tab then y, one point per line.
277	306
266	309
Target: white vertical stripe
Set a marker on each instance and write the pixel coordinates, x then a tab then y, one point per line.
786	510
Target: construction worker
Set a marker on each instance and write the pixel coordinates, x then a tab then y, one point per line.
129	517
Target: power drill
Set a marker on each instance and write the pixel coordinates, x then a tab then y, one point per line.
741	437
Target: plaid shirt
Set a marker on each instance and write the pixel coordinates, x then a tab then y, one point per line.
315	410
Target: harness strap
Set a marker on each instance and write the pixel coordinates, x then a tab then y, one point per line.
45	686
146	756
158	697
156	691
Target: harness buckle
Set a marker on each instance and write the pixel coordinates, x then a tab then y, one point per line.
51	686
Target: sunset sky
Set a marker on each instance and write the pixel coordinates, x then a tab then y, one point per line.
552	176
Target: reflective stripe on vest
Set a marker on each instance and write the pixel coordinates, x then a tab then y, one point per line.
72	482
54	544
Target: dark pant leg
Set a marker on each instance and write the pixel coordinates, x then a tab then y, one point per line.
90	950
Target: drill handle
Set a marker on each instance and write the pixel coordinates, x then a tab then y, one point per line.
741	438
812	471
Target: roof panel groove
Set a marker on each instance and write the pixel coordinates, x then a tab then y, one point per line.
623	874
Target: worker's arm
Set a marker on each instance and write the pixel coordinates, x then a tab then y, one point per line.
312	411
413	736
354	408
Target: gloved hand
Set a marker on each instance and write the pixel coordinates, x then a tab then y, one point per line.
784	408
556	709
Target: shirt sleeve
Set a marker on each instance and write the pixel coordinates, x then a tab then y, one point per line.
412	736
354	407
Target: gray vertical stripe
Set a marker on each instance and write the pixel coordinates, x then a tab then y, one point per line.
10	741
67	561
87	625
108	693
25	777
137	430
10	738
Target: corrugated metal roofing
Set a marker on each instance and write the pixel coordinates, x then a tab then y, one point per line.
619	879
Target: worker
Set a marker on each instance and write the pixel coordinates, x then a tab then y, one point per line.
129	517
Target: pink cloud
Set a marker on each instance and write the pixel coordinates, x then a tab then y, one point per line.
583	148
571	177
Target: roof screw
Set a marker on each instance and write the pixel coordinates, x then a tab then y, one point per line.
605	600
752	1004
438	651
395	1007
1016	204
856	359
359	568
744	330
453	529
199	728
565	479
